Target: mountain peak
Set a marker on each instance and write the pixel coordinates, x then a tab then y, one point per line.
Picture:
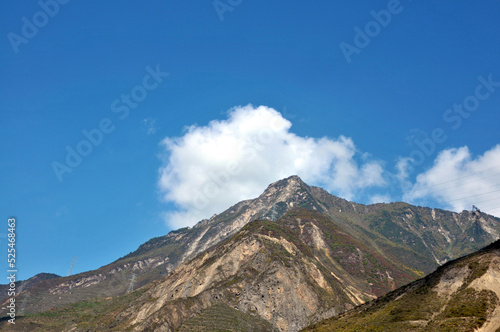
290	179
290	184
286	190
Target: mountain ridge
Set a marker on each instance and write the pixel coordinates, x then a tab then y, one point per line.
290	273
397	231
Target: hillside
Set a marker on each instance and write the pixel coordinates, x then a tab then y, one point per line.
462	295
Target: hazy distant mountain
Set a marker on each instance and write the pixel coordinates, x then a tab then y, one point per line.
340	253
463	295
25	285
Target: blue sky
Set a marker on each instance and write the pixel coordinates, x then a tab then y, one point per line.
359	125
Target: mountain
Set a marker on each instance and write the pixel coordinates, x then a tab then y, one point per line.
26	284
360	251
290	272
286	273
159	256
462	295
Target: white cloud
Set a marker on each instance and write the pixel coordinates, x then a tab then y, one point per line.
403	168
458	180
403	171
211	167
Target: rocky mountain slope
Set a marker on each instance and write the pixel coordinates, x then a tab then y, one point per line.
412	240
463	295
159	256
290	272
273	275
286	273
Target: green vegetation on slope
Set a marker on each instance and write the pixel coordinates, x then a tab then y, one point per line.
222	318
90	315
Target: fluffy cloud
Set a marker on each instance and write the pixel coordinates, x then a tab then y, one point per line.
211	167
458	180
